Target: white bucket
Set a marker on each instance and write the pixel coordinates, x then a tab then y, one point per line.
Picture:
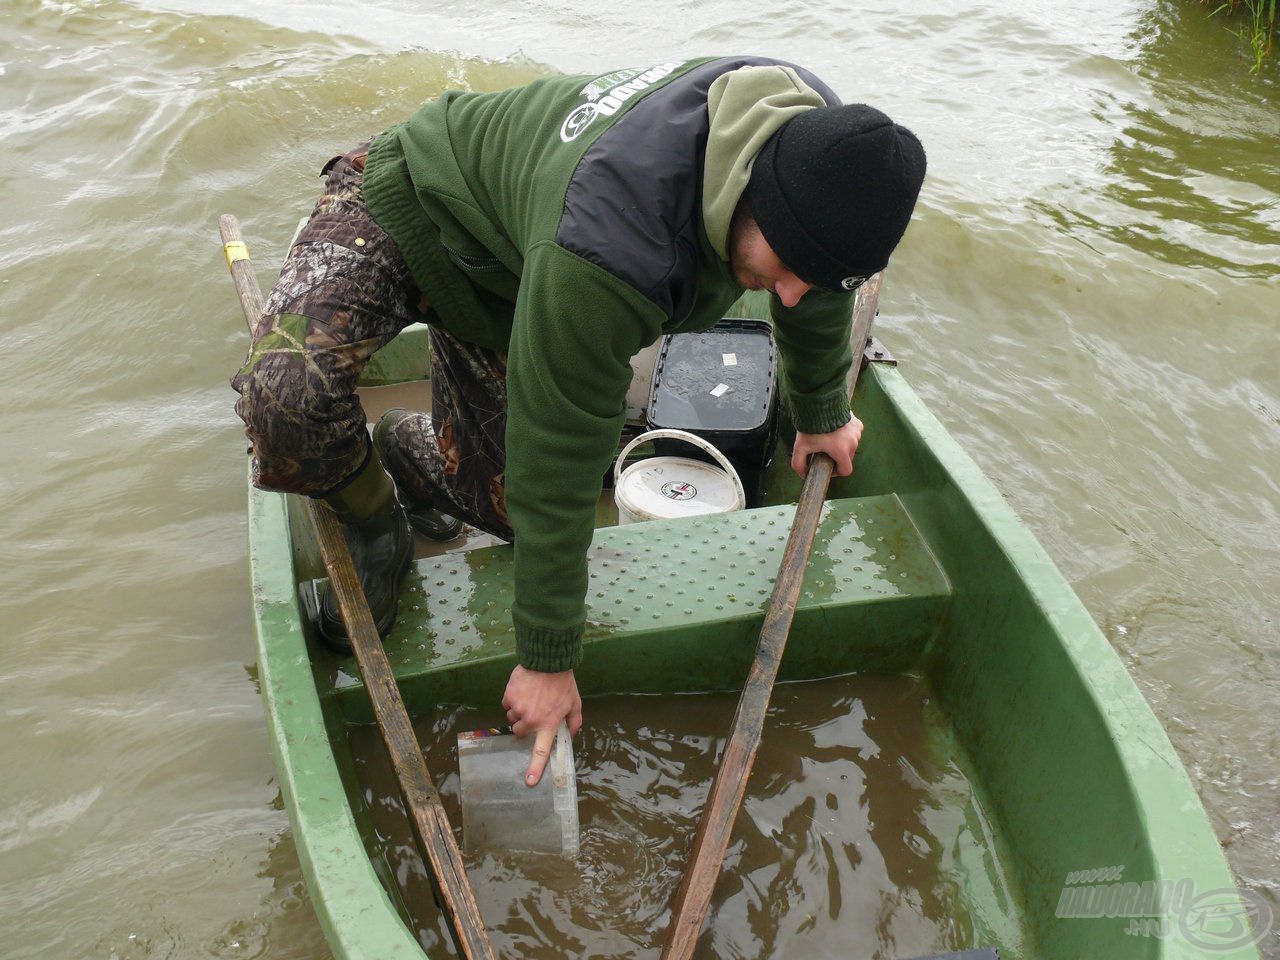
668	488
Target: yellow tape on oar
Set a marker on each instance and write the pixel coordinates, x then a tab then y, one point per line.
235	250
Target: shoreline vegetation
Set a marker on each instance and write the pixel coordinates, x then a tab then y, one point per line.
1256	24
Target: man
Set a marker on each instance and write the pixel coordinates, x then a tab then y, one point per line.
547	233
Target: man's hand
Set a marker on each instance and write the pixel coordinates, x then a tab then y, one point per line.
840	445
536	703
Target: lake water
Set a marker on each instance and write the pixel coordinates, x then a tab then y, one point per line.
1088	299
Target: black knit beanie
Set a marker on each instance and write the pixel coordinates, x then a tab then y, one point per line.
832	192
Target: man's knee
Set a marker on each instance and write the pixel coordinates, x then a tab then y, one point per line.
274	399
303	439
295	451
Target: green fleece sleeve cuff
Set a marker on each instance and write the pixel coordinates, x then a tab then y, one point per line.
813	340
814	415
548	651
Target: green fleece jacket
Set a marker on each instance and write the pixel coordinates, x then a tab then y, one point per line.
570	223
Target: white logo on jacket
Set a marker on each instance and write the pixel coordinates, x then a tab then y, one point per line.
610	103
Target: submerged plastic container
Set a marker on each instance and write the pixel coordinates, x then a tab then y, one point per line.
499	812
670	488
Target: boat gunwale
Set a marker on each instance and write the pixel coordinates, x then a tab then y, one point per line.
355	911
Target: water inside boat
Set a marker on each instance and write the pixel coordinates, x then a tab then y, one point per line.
860	829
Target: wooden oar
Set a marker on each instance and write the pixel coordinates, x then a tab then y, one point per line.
693	898
426	813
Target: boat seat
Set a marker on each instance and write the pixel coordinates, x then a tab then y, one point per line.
678	604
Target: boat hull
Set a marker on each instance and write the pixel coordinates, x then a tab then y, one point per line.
919	567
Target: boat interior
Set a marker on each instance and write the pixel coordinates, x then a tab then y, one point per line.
919	569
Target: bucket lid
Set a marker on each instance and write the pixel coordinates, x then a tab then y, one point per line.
661	488
671	487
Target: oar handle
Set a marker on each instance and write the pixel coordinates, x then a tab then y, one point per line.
241	267
693	897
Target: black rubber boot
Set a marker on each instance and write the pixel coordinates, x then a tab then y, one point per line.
423	517
377	534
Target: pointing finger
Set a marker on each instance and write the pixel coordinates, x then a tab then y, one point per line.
541	752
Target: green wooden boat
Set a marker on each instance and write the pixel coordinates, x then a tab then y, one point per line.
919	568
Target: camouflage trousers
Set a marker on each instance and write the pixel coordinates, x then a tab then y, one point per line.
343	293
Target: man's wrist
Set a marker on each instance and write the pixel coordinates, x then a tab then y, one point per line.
548	651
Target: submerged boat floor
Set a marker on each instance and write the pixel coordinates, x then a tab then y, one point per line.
678	604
